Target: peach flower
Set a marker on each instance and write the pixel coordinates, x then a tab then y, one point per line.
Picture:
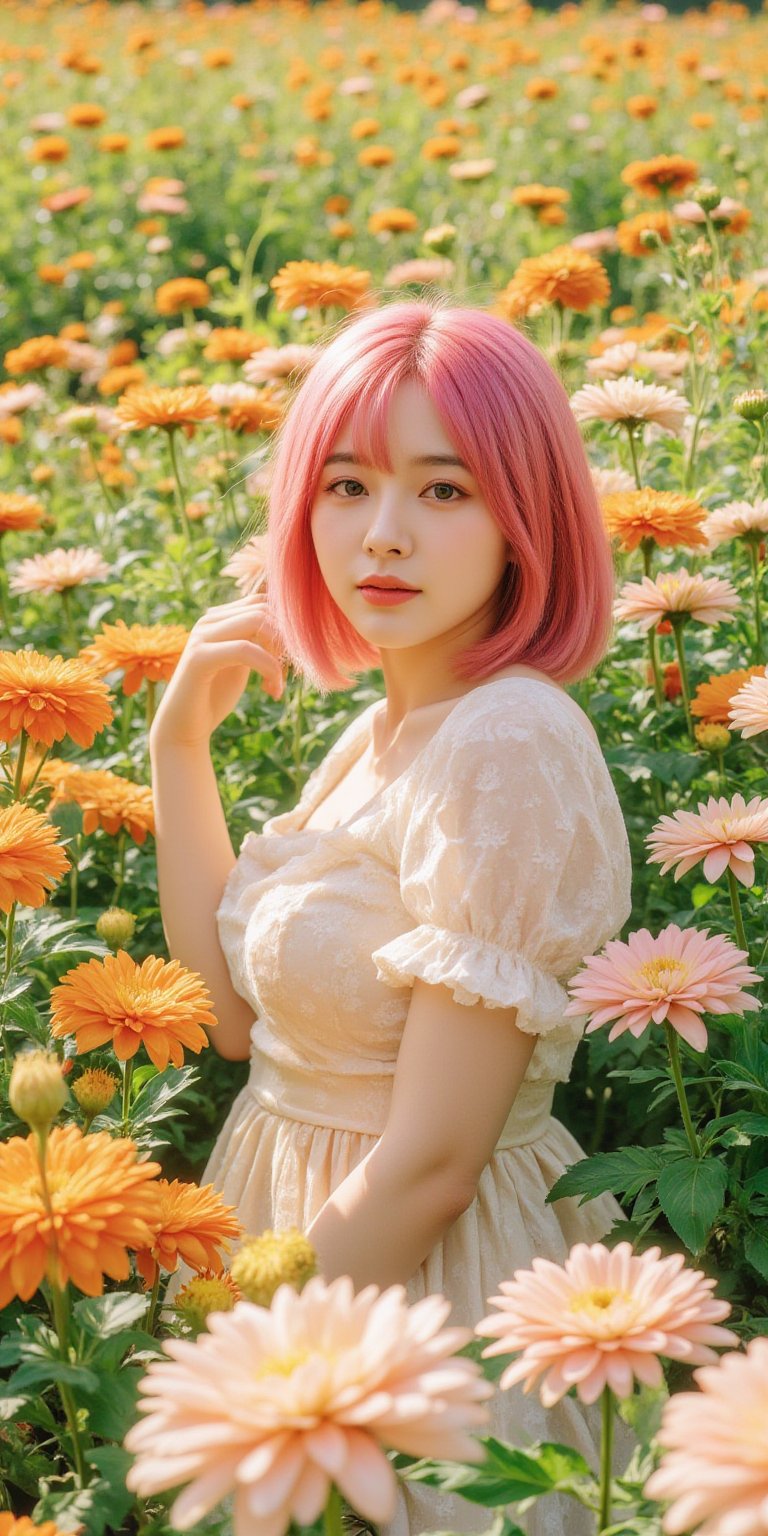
748	710
721	833
58	570
603	1319
280	362
671	979
631	403
706	598
737	520
275	1404
248	565
716	1465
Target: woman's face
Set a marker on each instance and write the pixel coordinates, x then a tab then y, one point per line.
425	525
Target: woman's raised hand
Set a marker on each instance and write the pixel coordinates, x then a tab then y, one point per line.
226	644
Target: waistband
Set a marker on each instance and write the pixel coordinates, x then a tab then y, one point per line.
359	1101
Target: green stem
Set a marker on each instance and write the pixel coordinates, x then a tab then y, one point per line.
674	1059
126	1112
4	614
66	598
633	452
658	683
606	1458
298	721
23	744
332	1525
110	504
677	626
153	1301
755	558
180	497
120	871
59	1310
73	873
9	941
46	754
736	909
150	701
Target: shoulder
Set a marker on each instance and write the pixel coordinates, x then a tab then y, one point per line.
512	713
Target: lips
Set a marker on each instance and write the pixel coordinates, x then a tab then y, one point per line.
387	586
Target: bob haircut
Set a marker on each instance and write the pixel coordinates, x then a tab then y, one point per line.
508	416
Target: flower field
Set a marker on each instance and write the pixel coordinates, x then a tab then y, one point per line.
192	200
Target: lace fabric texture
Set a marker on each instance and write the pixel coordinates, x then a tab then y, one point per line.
492	865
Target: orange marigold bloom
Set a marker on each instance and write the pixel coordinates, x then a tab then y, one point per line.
155	406
102	1201
666	518
319	284
31	860
376	155
21	1525
669	173
630	232
157	1003
338	203
50	697
17	511
444	147
141	651
36	353
341	229
218	58
396	220
714	698
50	273
365	128
192	1224
51	147
534	195
541	89
563	276
263	414
230	344
642	106
11	429
182	293
116	380
701	119
166	138
123	352
86	114
106	799
113	143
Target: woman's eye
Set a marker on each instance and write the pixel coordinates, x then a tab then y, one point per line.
336	483
444	485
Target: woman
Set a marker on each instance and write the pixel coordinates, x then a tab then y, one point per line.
403	934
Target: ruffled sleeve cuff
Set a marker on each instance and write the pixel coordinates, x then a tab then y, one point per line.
476	971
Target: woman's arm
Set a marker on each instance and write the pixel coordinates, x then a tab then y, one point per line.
457	1075
194	857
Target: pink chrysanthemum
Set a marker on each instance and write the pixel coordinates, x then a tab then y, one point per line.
721	833
671	979
737	520
58	569
276	1404
748	710
603	1319
716	1466
706	598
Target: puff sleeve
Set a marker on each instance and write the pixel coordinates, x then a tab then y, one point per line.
515	861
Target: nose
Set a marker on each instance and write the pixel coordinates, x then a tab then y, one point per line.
386	533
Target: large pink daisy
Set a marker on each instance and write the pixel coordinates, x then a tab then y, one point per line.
671	979
706	598
602	1319
748	710
721	833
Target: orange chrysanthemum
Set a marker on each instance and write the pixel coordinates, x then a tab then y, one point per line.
170	137
17	511
444	146
714	698
31	860
192	1224
375	155
534	195
668	173
86	114
70	197
563	276
102	1202
395	220
182	293
50	697
143	652
157	1003
21	1525
51	148
319	284
155	406
121	378
230	344
260	415
666	518
36	353
106	799
114	143
630	233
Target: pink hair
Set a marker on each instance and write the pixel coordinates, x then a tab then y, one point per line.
509	418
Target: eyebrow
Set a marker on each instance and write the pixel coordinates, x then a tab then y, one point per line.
427	458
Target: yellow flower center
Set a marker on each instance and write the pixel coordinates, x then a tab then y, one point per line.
598	1301
283	1365
664	972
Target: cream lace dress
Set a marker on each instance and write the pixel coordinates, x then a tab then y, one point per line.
493	864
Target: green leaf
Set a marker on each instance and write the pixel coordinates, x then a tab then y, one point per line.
104	1315
112	1409
691	1192
43	1373
101	1506
626	1170
756	1251
152	1101
701	894
508	1475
